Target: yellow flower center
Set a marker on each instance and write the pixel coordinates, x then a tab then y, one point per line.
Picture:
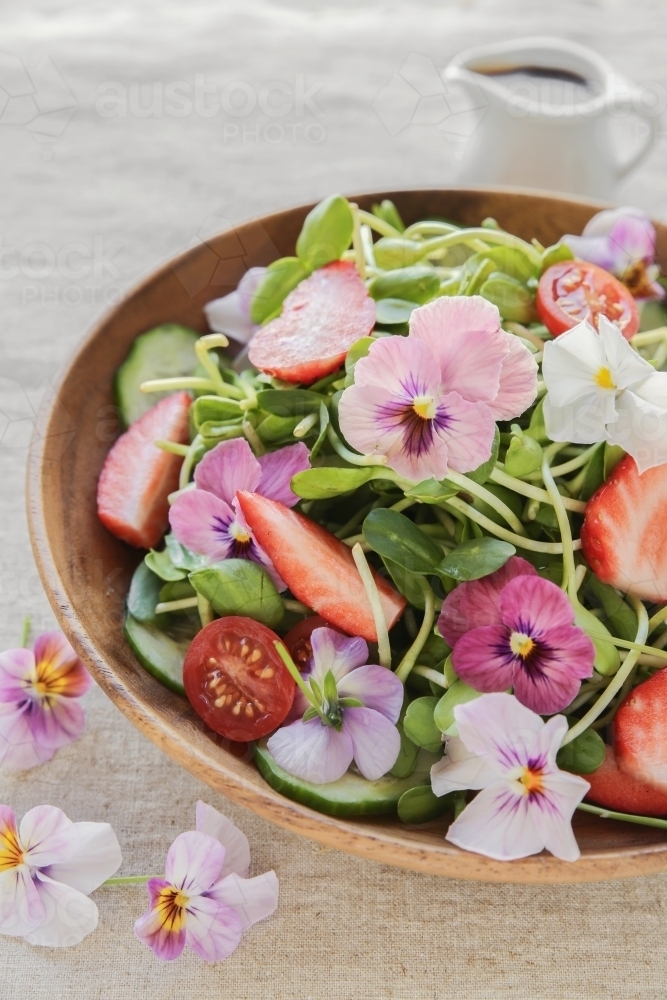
424	407
532	781
11	854
170	905
603	378
521	645
239	533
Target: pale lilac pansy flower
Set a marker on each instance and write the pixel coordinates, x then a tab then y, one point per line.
524	803
39	706
622	241
208	521
601	389
358	708
429	401
515	629
231	313
206	900
48	868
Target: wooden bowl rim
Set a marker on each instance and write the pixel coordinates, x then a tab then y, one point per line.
364	838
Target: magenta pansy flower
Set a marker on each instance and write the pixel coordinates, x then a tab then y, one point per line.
231	313
208	521
621	240
524	803
429	401
514	629
39	707
205	899
357	723
48	868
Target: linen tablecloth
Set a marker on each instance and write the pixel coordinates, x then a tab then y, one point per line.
129	130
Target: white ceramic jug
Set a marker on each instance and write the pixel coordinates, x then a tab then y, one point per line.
547	110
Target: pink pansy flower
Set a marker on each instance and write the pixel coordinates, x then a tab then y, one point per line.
514	629
39	708
429	401
207	520
205	899
48	868
357	710
621	240
525	803
231	314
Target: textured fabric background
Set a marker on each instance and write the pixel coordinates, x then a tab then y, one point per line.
91	200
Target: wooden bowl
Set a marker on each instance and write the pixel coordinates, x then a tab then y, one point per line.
86	571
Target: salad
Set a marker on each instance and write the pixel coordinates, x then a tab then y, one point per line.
405	513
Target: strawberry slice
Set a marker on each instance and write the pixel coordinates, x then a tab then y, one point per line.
624	534
616	790
317	567
639	732
137	477
321	319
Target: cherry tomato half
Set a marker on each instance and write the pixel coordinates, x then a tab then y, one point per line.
235	680
575	290
298	641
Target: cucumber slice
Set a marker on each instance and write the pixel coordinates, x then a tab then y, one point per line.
163	352
159	653
351	795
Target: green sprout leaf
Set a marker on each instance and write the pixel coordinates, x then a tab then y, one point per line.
412	284
394	536
280	278
476	558
322	483
326	232
419	725
583	755
240	587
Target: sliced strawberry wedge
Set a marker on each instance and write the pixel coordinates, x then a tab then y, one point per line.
317	567
624	534
639	732
137	477
321	319
616	790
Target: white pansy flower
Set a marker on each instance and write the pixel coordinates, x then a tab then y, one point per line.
600	389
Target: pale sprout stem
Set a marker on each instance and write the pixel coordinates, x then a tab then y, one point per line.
378	225
370	586
357	244
297	606
407	663
172	447
367	243
164	607
657	619
350	456
252	438
617	680
554	548
649	337
533	492
305	425
464	483
173	384
188	462
202	348
205	611
430	674
569	570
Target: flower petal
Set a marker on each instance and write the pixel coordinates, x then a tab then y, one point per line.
626	365
464	335
59	666
234	841
18	750
595	249
460	769
477	602
402	366
228	467
531	604
21	908
69	915
581	422
497	725
550	680
231	313
164	936
252	550
95	858
335	652
47	836
641	428
312	751
570	365
194	862
553	809
17	669
376	687
467	429
518	381
252	898
498	823
278	467
201	522
631	239
212	929
483	658
376	741
55	721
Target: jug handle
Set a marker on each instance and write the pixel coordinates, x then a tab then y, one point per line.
630	96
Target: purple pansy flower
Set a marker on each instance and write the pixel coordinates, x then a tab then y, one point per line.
514	629
205	899
208	521
357	722
525	803
622	241
231	314
39	707
429	401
